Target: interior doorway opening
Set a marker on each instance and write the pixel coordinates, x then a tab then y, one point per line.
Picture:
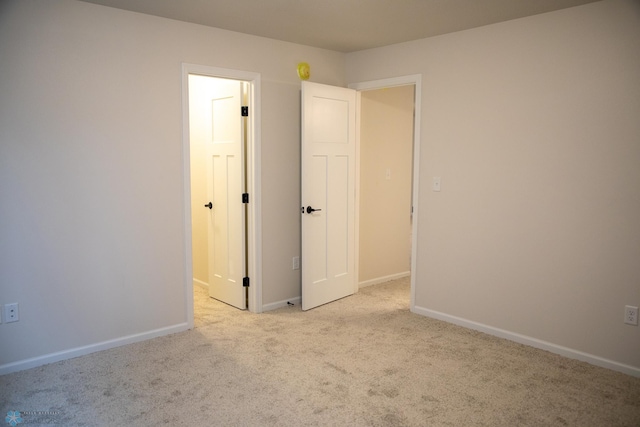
403	113
218	142
386	166
221	185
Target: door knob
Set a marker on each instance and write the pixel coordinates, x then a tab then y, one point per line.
310	209
209	205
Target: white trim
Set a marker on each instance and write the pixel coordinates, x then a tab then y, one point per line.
280	304
201	284
254	217
383	279
532	342
356	249
416	80
254	175
186	201
88	349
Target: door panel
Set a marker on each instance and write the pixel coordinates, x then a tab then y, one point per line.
217	102
340	226
329	111
328	184
315	235
227	236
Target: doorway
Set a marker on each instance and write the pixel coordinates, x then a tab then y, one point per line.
218	213
386	151
243	274
388	172
334	107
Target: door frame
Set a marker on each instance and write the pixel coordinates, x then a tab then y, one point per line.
416	81
253	173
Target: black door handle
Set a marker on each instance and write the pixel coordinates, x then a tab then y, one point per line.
310	209
210	205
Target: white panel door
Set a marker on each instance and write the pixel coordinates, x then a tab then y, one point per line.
225	167
328	193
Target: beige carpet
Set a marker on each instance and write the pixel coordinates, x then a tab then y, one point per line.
361	361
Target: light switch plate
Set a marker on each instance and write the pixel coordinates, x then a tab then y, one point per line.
436	183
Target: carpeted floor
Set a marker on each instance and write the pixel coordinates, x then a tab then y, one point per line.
362	361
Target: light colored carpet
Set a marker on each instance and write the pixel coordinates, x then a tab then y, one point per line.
362	361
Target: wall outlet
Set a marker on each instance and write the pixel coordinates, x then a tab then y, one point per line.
631	315
11	313
296	263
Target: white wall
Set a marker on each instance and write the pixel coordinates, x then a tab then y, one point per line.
531	123
533	126
386	144
91	180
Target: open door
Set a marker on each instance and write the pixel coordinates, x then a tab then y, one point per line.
226	180
222	133
328	193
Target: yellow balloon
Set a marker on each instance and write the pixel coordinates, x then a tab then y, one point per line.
304	71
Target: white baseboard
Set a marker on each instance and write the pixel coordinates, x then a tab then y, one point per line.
383	279
297	300
21	365
200	283
532	342
280	304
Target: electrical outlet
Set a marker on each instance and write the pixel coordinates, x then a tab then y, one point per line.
11	313
631	315
296	263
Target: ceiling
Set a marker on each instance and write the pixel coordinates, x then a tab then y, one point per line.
343	25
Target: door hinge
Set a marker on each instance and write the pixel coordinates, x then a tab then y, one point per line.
244	111
245	197
245	282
